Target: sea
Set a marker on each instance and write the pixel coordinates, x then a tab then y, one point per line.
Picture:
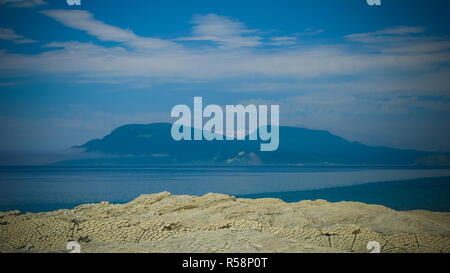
47	188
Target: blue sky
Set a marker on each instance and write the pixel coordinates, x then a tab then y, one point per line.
375	74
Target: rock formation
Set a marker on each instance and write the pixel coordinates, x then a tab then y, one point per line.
220	223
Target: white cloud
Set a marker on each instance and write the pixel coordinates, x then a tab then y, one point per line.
22	3
385	34
85	21
401	34
227	32
88	59
402	41
400	30
283	40
24	41
235	56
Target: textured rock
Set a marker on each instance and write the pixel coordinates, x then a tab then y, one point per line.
220	223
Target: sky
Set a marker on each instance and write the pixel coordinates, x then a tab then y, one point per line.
379	75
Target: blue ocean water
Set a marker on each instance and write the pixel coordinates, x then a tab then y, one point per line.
47	188
431	193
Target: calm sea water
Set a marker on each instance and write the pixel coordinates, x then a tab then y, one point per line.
430	193
48	188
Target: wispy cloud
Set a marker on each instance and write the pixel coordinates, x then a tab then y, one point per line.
310	32
228	32
402	40
237	52
9	35
370	37
400	30
283	40
85	21
22	3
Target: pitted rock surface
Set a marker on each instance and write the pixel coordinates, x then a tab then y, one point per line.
220	223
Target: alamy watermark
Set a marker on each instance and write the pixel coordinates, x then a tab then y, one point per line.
73	2
213	128
374	2
74	247
373	247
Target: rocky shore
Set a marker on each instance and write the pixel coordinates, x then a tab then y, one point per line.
220	223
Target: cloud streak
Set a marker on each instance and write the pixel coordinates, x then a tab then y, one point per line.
22	3
85	21
236	52
164	60
228	33
401	59
9	35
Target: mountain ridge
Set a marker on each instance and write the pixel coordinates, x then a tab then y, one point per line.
153	144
